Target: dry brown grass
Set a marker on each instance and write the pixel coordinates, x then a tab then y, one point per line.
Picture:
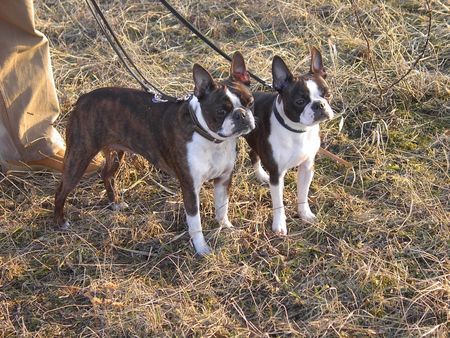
376	263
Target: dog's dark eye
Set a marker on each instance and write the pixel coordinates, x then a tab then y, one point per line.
221	112
300	102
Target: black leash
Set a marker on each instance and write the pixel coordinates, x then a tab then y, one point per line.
128	62
123	55
206	40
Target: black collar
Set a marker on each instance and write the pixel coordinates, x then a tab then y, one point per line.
280	119
199	129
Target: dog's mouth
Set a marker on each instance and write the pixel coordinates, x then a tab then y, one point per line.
244	130
238	129
322	118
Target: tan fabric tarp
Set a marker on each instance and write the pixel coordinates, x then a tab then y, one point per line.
28	101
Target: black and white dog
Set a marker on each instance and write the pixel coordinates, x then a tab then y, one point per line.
287	133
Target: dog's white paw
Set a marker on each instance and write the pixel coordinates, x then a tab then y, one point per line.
65	225
119	206
279	228
225	223
263	177
201	247
307	215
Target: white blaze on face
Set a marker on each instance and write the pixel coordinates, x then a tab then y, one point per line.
228	124
307	117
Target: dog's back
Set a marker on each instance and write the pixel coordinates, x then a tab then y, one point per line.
118	117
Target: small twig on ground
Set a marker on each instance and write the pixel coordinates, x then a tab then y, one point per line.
334	157
421	54
137	252
380	88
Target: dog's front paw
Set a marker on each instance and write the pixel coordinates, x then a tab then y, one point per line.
64	226
279	228
225	223
201	247
307	215
118	206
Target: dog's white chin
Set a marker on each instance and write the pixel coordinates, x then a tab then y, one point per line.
307	118
234	134
230	136
312	124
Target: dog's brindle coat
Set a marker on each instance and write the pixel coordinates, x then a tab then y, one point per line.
302	104
114	120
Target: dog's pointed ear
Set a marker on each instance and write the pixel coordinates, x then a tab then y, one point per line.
281	75
203	81
316	63
238	70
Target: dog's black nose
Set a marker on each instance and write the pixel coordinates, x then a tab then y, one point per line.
318	105
239	114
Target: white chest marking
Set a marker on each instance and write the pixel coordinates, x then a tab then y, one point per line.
208	160
290	149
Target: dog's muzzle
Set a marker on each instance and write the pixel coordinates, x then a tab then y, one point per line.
322	111
243	119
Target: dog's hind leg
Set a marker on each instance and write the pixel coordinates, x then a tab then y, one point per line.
261	174
112	163
75	164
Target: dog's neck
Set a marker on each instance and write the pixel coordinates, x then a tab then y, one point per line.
200	124
287	123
